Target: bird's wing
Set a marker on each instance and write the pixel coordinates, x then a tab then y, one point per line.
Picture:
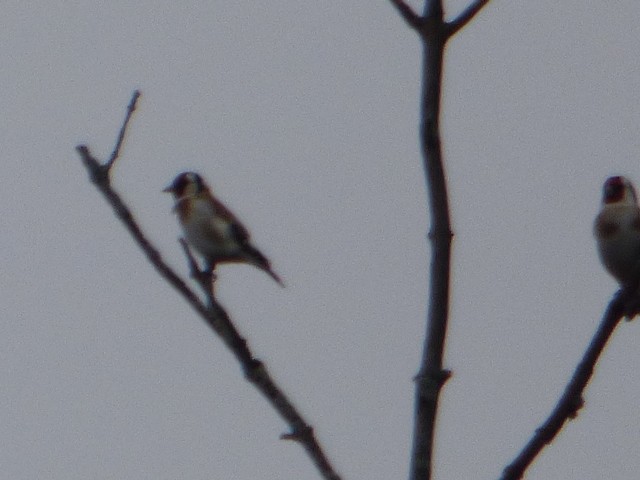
606	225
238	232
635	223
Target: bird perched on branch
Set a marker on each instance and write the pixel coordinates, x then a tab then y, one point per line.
210	227
617	230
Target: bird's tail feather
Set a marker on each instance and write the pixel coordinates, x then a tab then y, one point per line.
259	260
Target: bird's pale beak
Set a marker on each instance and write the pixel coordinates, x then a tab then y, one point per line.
168	189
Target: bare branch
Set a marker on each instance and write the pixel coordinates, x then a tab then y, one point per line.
214	315
431	376
434	32
130	109
412	18
433	9
571	400
465	17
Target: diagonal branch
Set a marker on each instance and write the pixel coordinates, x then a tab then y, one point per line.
213	314
571	400
465	17
130	109
412	18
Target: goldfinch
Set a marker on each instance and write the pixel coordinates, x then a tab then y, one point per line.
210	227
617	231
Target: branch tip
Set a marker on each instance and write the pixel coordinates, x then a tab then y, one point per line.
465	17
213	314
123	130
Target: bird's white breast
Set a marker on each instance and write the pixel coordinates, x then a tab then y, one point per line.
206	232
619	247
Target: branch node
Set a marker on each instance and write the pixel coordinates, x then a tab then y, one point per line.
577	402
447	235
255	371
300	434
98	173
430	383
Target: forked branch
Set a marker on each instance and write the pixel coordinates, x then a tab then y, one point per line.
213	314
434	33
424	26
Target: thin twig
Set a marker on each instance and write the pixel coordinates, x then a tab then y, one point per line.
214	314
412	18
465	17
571	400
116	150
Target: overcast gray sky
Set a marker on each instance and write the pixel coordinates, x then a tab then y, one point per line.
303	117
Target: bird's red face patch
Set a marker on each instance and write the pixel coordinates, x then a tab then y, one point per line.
613	190
185	183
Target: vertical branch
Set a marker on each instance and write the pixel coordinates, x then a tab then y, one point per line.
434	33
431	376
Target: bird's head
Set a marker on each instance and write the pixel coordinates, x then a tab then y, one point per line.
618	190
186	184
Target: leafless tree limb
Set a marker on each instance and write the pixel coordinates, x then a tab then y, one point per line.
123	130
213	314
465	17
431	376
571	400
434	33
411	17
